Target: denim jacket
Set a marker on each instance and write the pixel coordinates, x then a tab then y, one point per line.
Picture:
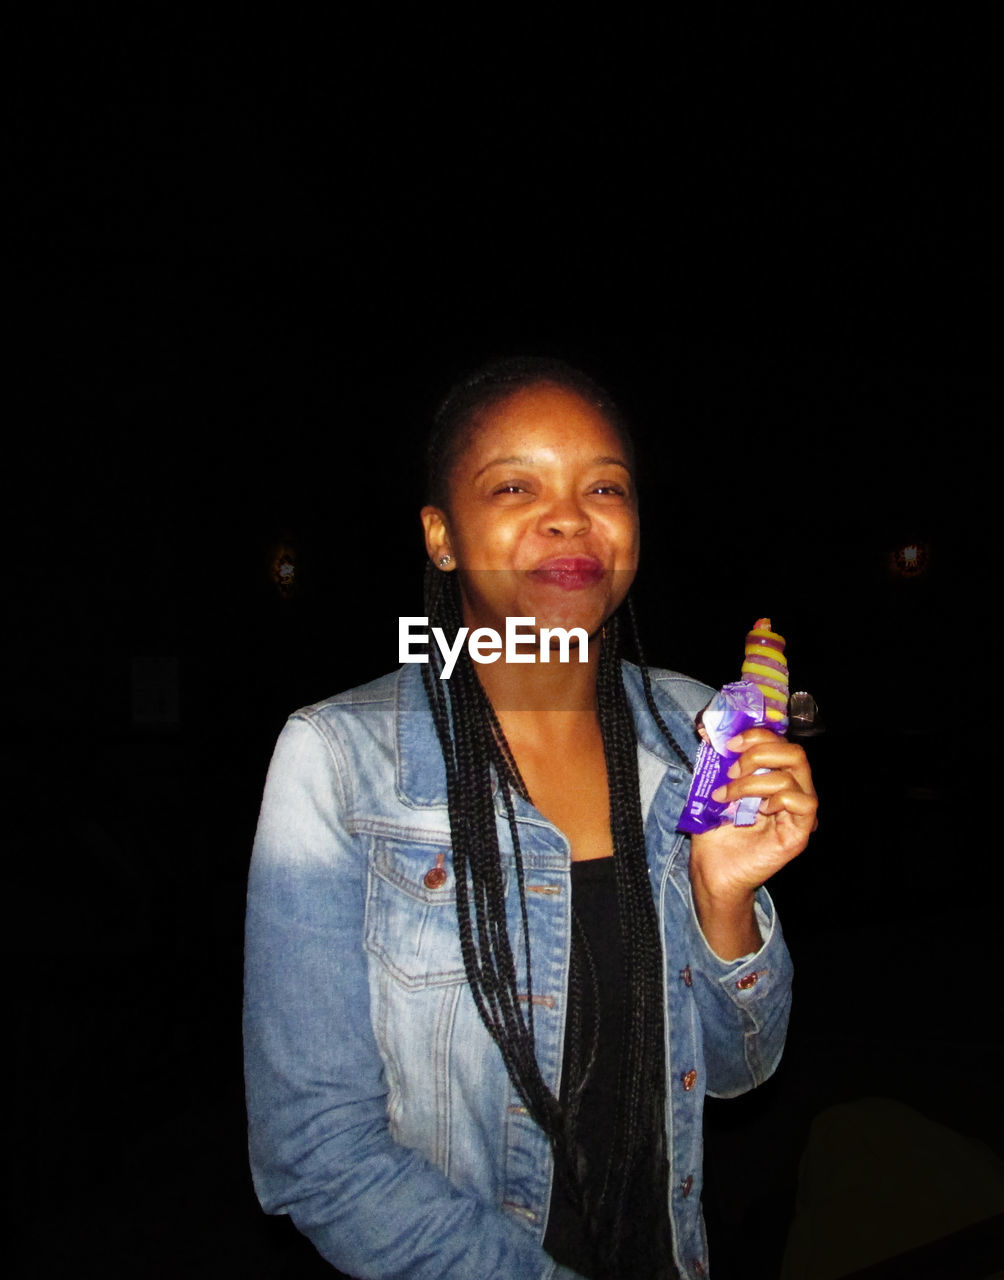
381	1116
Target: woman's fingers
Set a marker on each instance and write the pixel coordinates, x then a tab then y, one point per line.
792	801
759	749
768	783
774	769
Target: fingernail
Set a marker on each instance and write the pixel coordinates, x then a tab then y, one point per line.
734	769
735	744
719	793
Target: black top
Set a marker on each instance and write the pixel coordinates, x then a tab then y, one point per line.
594	901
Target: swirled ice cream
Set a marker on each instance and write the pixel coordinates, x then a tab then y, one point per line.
765	665
759	698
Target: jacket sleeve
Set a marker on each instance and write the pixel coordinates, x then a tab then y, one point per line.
319	1140
744	1005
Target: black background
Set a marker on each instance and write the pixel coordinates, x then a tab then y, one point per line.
247	256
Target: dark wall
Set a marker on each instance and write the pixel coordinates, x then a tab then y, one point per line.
245	263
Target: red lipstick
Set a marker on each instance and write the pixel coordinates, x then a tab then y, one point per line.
570	573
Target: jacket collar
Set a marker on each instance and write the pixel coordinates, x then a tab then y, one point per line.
678	721
421	774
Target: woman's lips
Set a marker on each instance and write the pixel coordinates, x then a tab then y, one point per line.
570	573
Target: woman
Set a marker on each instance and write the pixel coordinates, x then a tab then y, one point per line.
488	984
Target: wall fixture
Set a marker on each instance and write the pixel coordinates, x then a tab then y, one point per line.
283	569
911	560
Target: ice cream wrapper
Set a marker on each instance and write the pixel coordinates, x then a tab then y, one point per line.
733	709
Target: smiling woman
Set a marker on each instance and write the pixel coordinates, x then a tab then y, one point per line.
488	982
541	518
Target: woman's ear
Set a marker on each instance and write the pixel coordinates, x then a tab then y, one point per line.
437	537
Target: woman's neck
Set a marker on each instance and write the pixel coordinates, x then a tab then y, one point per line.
549	689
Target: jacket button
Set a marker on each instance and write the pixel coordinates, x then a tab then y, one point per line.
750	980
687	1185
435	877
686	976
689	1080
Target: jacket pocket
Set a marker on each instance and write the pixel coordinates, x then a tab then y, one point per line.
411	914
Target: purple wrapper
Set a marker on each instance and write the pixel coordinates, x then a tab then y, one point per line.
733	709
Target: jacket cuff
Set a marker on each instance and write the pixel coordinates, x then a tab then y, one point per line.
748	979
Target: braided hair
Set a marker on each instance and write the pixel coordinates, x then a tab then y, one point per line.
474	747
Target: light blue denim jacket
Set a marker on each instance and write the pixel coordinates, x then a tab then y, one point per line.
381	1115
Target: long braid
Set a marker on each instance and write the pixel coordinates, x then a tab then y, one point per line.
471	738
647	685
637	1173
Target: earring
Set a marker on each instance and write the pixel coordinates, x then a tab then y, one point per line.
443	561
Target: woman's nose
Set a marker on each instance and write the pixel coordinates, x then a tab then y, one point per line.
564	516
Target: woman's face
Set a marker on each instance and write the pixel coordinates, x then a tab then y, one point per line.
542	519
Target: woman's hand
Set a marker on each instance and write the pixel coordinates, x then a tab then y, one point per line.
729	863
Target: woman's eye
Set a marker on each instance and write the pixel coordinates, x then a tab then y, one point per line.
617	490
510	487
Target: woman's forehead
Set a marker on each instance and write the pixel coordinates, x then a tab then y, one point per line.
544	419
